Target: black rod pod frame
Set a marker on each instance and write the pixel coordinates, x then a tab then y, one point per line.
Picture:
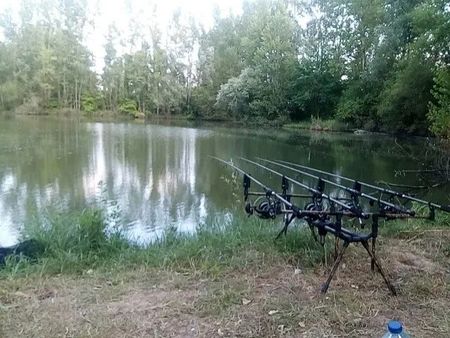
327	218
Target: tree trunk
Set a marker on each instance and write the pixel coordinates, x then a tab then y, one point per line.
79	96
59	96
64	88
157	99
74	105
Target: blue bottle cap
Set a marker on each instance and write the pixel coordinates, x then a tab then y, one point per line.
395	326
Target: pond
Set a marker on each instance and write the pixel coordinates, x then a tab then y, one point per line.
149	177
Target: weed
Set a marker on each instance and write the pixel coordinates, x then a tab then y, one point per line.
75	243
316	123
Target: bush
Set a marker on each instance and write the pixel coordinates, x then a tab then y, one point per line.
11	94
89	104
78	242
30	107
128	107
439	113
72	242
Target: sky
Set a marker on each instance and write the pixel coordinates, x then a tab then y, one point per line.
102	13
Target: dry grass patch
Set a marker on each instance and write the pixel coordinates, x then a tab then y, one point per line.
271	300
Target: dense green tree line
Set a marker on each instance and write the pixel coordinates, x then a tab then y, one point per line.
43	63
378	65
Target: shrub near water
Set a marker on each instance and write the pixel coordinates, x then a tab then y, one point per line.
73	242
78	242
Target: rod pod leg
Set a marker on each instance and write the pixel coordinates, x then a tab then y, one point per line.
336	264
372	260
287	221
380	269
336	247
324	251
374	241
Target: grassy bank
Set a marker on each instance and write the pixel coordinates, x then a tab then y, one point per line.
75	243
318	124
226	281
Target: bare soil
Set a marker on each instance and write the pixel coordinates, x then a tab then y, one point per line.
271	300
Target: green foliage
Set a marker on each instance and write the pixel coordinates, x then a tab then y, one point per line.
73	242
351	106
399	227
78	242
327	125
370	64
392	91
237	96
404	101
253	72
9	94
89	103
202	102
128	107
439	114
318	124
358	103
70	233
316	91
42	57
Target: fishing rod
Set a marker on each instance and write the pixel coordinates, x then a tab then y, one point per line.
325	221
294	209
316	192
383	190
267	190
353	192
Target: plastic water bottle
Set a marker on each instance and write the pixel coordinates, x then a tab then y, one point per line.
395	330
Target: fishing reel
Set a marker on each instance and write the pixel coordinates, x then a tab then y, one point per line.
317	206
354	206
264	207
385	209
312	207
393	209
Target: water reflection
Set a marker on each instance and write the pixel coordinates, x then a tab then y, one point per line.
151	172
151	177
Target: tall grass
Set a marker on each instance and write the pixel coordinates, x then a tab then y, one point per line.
71	242
77	243
401	226
318	124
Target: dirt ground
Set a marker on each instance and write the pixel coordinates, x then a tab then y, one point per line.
265	301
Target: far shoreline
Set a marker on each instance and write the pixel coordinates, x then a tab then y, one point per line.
331	126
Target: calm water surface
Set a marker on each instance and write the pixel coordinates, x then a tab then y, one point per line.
150	177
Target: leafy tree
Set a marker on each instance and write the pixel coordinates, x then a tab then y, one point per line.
128	107
238	95
89	103
45	55
269	52
404	101
316	91
379	65
439	114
